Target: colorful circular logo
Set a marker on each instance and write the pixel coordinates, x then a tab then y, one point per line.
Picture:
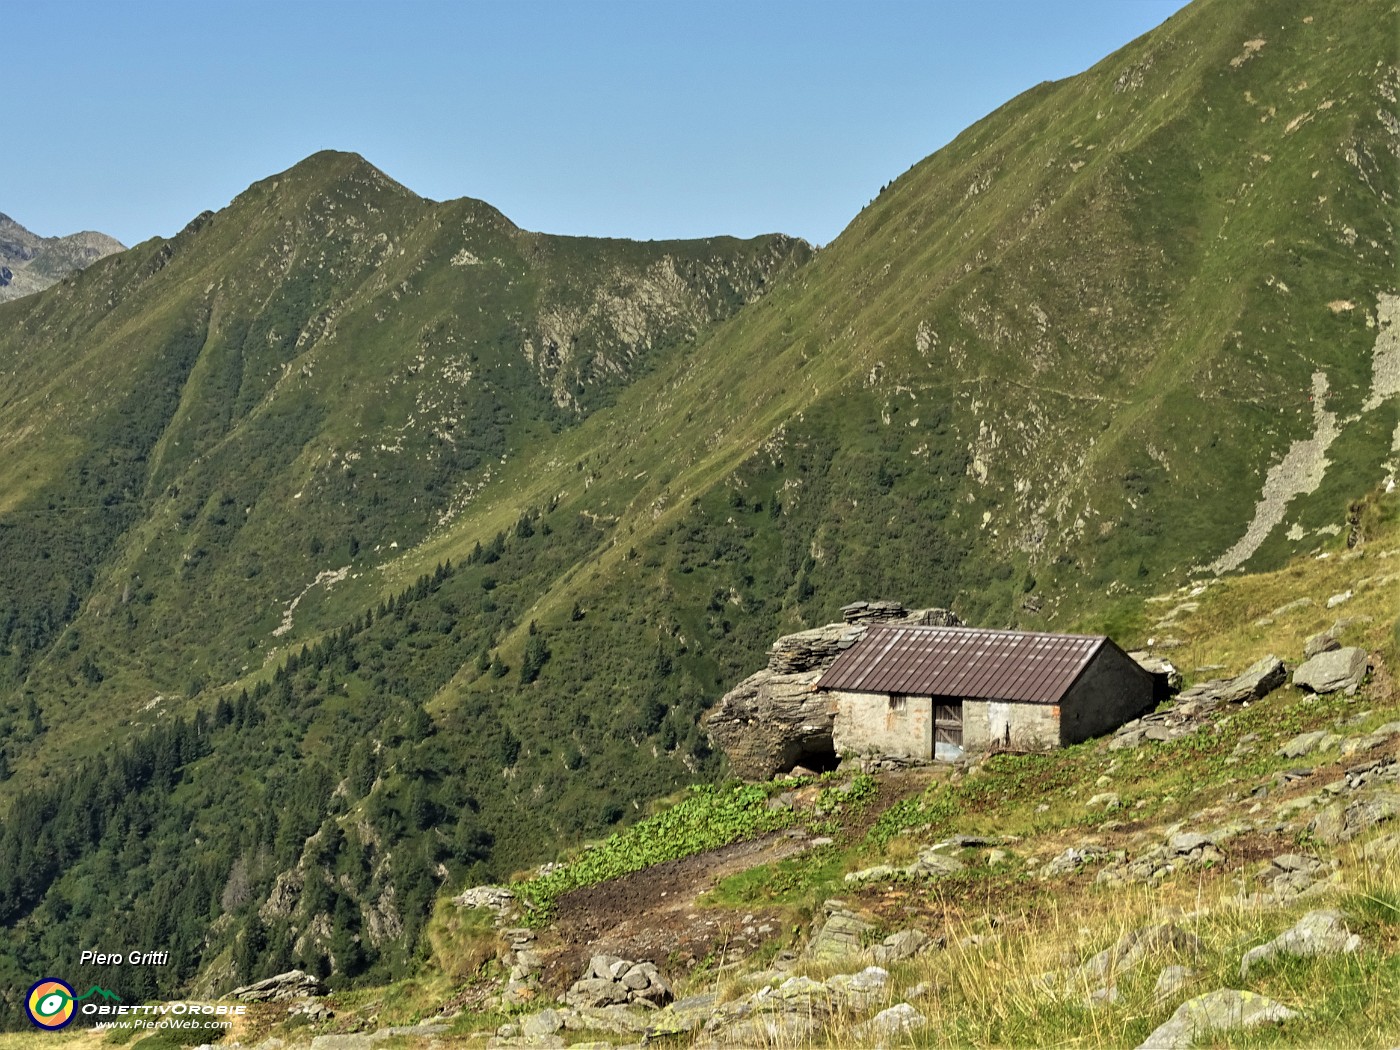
50	1003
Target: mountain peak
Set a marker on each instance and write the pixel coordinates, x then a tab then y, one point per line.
30	263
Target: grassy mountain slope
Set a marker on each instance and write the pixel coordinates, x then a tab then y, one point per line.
1067	358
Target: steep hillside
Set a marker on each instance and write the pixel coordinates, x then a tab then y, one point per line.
397	546
30	263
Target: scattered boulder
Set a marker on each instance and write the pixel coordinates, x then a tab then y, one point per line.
1071	860
1316	933
898	1021
294	984
905	944
842	933
1306	743
544	1023
1135	947
1322	642
860	991
611	981
1256	681
1343	821
1328	672
1291	874
1221	1010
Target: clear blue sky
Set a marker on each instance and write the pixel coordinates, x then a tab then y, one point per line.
629	118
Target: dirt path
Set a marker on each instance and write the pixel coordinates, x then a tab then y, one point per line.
654	914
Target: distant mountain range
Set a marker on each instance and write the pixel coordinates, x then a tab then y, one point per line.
30	263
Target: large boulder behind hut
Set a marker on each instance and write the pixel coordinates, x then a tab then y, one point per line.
774	719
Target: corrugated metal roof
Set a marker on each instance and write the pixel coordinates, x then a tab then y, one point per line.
963	662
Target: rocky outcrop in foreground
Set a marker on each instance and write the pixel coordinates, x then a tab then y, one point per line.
773	721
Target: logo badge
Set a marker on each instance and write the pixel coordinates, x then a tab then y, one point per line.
50	1003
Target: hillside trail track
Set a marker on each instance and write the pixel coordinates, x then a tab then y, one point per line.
655	914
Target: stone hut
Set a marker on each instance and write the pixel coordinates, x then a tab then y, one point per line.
917	693
774	721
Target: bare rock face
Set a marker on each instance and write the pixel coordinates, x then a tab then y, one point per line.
774	719
770	722
30	263
294	984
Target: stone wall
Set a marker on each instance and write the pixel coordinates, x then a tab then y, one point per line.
873	724
1032	727
1111	691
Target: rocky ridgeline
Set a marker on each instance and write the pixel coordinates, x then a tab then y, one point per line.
773	721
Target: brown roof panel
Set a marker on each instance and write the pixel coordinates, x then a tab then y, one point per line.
963	661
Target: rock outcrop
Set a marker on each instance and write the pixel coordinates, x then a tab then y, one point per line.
1218	1011
773	721
294	984
1316	933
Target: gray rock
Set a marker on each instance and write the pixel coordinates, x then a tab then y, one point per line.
1171	980
933	861
902	945
1328	672
1222	1010
1322	642
842	934
1316	933
618	1020
1188	841
789	1029
879	873
899	1020
494	898
1130	738
1293	606
294	984
1161	667
1258	680
1342	822
860	990
546	1022
1071	860
1102	996
595	991
600	966
1134	948
1306	743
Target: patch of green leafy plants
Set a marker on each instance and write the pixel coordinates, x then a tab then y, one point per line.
708	817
